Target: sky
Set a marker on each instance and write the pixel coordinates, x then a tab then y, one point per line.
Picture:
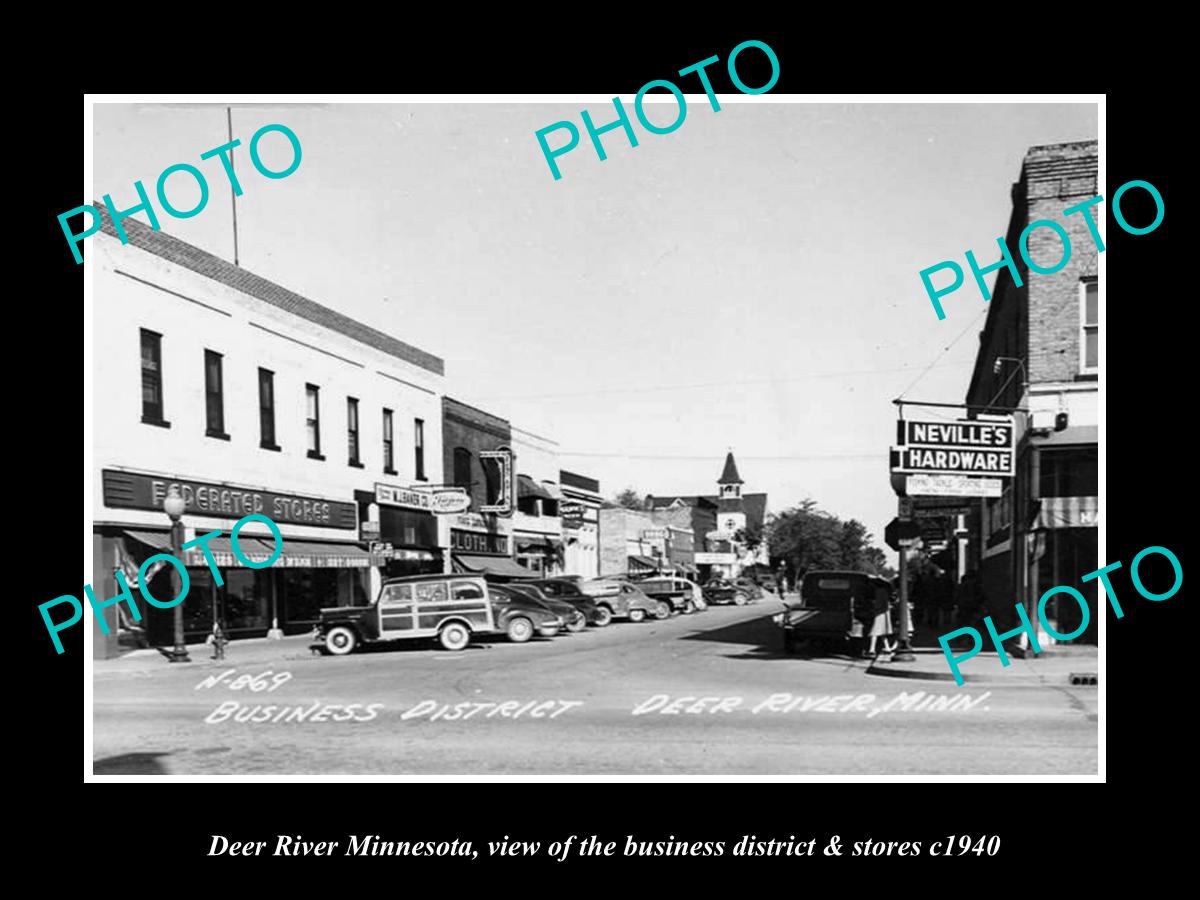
747	282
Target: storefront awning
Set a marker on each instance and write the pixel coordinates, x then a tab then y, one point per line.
502	566
157	540
295	555
527	487
642	562
1067	512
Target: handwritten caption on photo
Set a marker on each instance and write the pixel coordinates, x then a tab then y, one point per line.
1085	618
146	572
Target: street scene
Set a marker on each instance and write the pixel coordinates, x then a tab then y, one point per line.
792	715
411	460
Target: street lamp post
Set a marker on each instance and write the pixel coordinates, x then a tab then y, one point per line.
173	506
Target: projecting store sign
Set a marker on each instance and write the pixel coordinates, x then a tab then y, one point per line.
962	447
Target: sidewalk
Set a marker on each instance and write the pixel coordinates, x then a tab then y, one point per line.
248	652
1055	665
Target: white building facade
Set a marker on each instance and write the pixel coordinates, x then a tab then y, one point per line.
246	397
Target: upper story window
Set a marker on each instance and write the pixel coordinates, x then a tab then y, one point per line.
389	458
419	449
152	391
352	431
462	467
266	409
1089	326
312	396
214	395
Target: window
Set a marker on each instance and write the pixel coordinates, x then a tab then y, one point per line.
152	398
214	396
313	420
434	592
266	409
389	460
1089	326
467	590
396	595
419	449
462	467
352	431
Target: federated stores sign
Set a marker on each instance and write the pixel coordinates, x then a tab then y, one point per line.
962	447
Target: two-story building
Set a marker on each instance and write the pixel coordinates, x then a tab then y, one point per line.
1039	356
580	514
537	526
245	397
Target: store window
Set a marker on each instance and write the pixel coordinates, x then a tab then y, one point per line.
152	393
214	395
246	602
1074	472
1089	326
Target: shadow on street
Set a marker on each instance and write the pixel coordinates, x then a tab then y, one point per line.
130	764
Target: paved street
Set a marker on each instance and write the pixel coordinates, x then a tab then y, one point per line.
762	713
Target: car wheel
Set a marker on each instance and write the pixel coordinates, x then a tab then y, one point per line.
603	616
454	636
520	630
637	615
341	640
577	624
662	610
739	599
688	607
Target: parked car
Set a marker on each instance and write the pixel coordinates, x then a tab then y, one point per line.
448	607
754	593
768	582
573	620
678	592
521	616
721	591
624	599
565	589
834	607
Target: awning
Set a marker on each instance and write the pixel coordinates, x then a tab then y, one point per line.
157	540
642	562
502	566
1067	512
532	545
295	555
1071	435
527	487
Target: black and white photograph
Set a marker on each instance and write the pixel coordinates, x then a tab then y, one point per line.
682	436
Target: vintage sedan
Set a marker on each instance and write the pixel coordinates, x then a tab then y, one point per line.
625	600
568	590
574	620
520	616
450	608
721	591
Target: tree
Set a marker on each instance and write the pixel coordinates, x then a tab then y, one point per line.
806	537
751	536
630	499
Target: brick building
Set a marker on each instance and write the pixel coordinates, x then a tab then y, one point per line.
1039	355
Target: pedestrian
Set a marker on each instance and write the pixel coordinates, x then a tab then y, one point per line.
881	627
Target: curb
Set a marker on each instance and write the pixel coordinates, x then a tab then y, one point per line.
888	670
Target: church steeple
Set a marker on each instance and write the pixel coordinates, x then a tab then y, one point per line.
730	481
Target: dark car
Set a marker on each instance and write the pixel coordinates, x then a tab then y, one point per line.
721	591
834	607
567	590
520	616
573	619
677	592
624	599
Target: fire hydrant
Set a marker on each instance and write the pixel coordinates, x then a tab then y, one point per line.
218	641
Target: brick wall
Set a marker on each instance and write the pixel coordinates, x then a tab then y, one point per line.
474	429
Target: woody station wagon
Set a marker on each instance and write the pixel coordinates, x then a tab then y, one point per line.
448	607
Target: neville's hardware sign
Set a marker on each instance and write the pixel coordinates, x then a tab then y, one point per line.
960	447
